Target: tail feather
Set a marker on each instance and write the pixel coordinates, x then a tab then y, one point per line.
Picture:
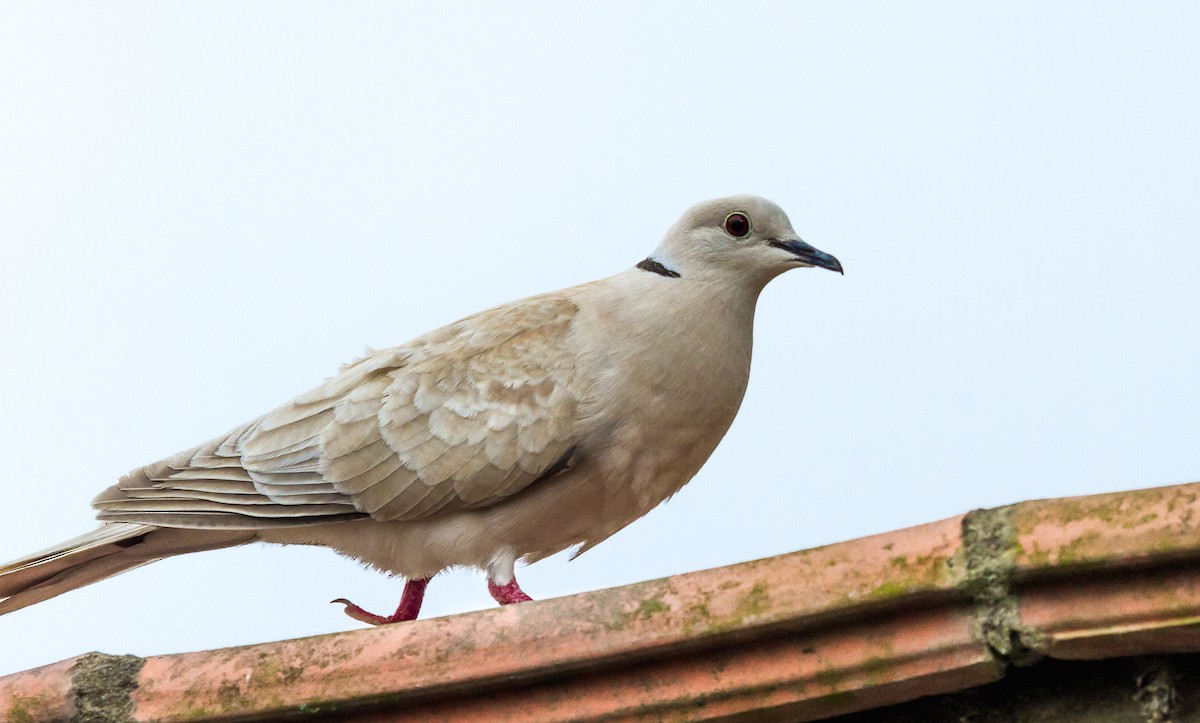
110	549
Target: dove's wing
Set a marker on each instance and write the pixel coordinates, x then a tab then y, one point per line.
462	417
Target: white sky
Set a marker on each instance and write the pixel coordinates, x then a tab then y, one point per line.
205	208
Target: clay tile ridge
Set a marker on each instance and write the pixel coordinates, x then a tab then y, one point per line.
804	636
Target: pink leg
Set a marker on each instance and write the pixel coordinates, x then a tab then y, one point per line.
509	593
408	609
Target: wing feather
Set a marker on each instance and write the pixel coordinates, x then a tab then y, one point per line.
460	418
227	474
206	485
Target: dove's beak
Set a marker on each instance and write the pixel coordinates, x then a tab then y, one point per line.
809	255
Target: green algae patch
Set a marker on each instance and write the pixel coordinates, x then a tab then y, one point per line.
888	590
615	614
27	708
752	604
1145	519
699	618
651	607
1072	552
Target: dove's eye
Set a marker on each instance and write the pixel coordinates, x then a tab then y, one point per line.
737	225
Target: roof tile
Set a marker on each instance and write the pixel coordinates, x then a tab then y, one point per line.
803	636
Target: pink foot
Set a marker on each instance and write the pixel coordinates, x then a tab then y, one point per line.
508	594
408	609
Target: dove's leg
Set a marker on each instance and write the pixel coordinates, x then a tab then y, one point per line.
502	579
509	593
408	609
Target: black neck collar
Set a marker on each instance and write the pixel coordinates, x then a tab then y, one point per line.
649	264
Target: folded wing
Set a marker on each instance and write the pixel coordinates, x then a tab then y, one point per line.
460	418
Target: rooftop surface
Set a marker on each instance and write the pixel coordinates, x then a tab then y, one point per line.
852	626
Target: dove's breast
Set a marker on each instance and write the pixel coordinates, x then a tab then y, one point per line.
666	380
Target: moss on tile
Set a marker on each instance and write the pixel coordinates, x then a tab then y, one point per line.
29	709
101	686
989	546
888	590
651	607
699	618
1072	552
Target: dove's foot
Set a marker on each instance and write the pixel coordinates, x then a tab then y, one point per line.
509	593
408	609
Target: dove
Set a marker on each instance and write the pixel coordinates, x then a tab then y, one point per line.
541	425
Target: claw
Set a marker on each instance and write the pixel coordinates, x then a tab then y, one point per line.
361	615
408	609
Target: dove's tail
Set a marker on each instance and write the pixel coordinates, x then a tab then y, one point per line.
108	550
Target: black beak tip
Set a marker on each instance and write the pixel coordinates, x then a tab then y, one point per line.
827	261
809	255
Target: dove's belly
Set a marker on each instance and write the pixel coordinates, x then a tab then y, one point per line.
582	506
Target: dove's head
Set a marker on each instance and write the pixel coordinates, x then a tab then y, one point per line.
743	236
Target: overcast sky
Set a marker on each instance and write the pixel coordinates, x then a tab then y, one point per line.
205	208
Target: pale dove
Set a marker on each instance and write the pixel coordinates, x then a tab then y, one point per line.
521	431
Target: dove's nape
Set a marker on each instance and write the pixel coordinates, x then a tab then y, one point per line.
544	424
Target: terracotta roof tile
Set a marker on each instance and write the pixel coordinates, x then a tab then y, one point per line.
845	627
